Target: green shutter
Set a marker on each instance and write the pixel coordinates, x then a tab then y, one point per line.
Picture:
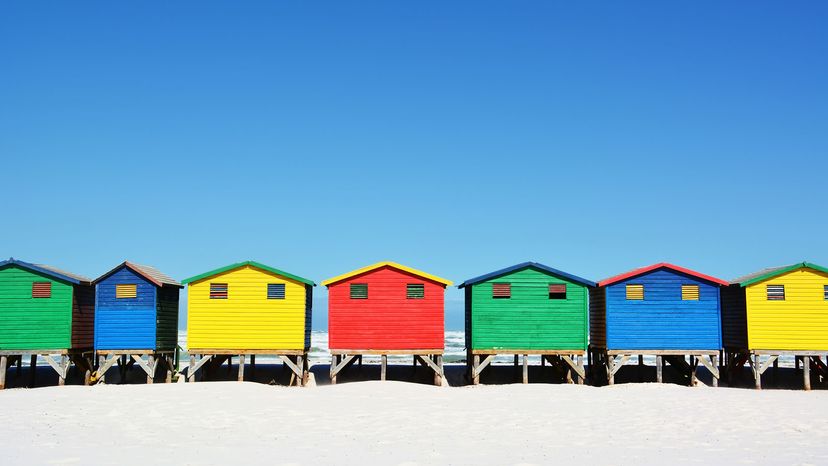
415	291
359	291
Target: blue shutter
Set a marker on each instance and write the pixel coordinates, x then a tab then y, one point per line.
275	291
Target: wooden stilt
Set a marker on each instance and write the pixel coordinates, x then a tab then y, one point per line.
191	372
169	367
714	360
4	360
659	368
693	366
300	363
581	366
806	372
151	364
640	367
525	368
33	370
757	371
568	372
438	375
775	369
252	366
475	374
63	367
383	368
241	368
333	366
610	363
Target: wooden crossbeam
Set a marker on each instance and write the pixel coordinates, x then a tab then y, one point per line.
296	369
710	366
344	362
61	369
485	362
578	370
428	362
143	365
616	365
768	363
194	368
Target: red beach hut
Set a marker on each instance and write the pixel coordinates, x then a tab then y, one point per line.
386	308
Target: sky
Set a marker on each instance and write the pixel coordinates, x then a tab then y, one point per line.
454	137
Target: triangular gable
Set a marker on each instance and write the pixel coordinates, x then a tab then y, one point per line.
765	274
48	271
661	265
239	265
150	274
390	264
526	265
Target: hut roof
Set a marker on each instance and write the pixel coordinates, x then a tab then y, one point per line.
258	265
393	265
771	272
661	265
151	274
526	265
50	271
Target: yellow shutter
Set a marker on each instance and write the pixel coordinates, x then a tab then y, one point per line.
690	292
126	291
635	292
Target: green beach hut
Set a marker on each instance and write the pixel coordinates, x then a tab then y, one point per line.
527	309
45	312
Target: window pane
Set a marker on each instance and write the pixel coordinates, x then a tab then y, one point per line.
557	291
776	292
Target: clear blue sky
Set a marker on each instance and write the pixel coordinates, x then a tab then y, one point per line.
455	137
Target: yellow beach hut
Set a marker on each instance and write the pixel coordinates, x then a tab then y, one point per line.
780	311
248	309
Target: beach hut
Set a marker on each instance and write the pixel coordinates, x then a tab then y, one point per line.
780	311
525	309
249	309
45	312
386	308
136	317
663	310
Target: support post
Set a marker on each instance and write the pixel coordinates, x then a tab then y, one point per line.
757	371
101	371
806	372
525	368
253	366
714	360
4	360
693	365
241	368
581	366
383	368
659	368
475	374
438	375
609	362
333	366
640	367
65	368
191	372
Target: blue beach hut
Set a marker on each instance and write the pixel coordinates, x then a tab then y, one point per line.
663	310
136	317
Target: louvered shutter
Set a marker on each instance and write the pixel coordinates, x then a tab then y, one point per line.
776	292
635	292
41	289
126	291
359	291
415	291
275	291
825	291
218	290
501	290
557	291
690	292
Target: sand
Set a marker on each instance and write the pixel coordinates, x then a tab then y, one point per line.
406	423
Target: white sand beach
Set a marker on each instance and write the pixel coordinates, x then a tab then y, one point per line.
406	423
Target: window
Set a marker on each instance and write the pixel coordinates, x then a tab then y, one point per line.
635	292
218	290
275	291
415	291
825	291
359	291
501	290
41	289
126	291
776	292
557	291
689	292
